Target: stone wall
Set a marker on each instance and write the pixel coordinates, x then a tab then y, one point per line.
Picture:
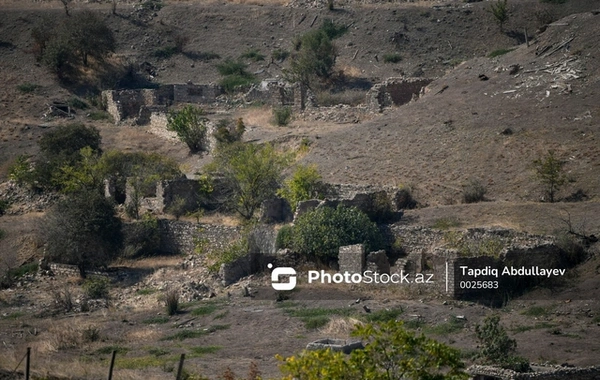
546	373
279	93
180	236
196	93
395	92
351	258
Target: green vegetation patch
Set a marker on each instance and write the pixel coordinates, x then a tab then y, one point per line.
107	350
536	311
191	334
384	315
451	326
499	52
203	350
28	88
158	320
314	318
392	58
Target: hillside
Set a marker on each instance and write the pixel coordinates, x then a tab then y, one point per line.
494	105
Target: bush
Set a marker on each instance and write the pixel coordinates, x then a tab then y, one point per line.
284	237
27	88
473	192
234	75
321	232
152	5
190	126
166	52
253	55
499	52
96	287
315	54
305	183
392	58
226	133
280	54
229	254
250	174
497	348
141	238
282	116
172	302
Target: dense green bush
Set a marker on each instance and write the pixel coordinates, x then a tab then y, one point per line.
305	183
190	125
234	75
392	58
319	233
253	55
284	237
496	346
96	287
282	116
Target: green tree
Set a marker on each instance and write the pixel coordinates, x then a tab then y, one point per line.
321	232
391	353
251	174
83	230
315	54
497	347
500	12
549	172
305	183
190	126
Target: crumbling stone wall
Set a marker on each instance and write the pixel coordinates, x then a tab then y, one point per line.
279	93
395	92
180	237
351	258
479	372
196	93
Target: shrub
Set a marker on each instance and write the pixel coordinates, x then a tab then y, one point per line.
190	126
96	287
280	54
228	255
497	348
226	133
404	199
27	88
172	302
250	173
392	58
166	52
473	191
282	116
75	102
391	352
253	55
284	237
141	238
234	75
152	5
305	183
320	232
499	52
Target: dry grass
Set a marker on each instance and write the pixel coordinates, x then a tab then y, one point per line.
339	328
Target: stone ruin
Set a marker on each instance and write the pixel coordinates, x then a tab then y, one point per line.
353	259
150	105
395	92
478	372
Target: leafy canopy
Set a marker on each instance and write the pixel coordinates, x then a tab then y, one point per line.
190	126
549	172
251	174
391	353
305	183
321	232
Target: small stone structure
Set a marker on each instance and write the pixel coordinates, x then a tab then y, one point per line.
395	92
280	93
378	262
479	372
351	258
367	198
181	237
143	105
335	345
